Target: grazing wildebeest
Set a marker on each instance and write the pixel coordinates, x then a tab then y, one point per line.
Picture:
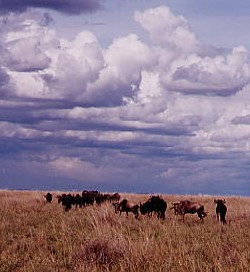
191	207
48	197
221	210
127	206
154	204
175	207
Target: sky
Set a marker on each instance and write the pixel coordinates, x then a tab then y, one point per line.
125	96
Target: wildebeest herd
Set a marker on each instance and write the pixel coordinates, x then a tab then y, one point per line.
154	205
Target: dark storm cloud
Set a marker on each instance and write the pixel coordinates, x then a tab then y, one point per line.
65	6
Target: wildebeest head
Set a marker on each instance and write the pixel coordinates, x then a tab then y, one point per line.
219	201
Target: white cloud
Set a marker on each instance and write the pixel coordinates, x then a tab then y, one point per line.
10	130
221	75
124	60
166	29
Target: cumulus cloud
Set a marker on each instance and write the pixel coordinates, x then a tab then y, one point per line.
163	103
167	29
222	75
68	6
80	69
125	58
75	65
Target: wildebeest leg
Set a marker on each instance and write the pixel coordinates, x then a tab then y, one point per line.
163	215
158	215
217	214
200	215
67	208
223	219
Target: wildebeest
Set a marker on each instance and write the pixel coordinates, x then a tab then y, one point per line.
127	206
115	197
48	197
67	201
78	201
191	207
88	197
221	210
154	204
175	207
101	198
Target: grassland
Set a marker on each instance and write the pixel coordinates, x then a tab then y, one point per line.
39	237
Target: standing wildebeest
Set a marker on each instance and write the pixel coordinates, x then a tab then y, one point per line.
221	210
78	201
126	206
154	204
48	197
191	207
67	201
88	197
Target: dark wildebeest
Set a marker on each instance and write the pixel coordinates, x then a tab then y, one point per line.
221	210
66	200
115	197
101	198
88	197
78	201
191	207
48	198
154	204
127	206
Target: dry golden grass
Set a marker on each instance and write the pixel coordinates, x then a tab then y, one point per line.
39	237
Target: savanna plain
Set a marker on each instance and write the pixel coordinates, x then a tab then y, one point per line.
43	237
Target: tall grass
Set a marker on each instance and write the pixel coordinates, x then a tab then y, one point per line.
43	237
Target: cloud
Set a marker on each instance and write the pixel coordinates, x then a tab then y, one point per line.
75	65
167	29
125	58
68	6
80	69
25	55
4	78
147	114
222	74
